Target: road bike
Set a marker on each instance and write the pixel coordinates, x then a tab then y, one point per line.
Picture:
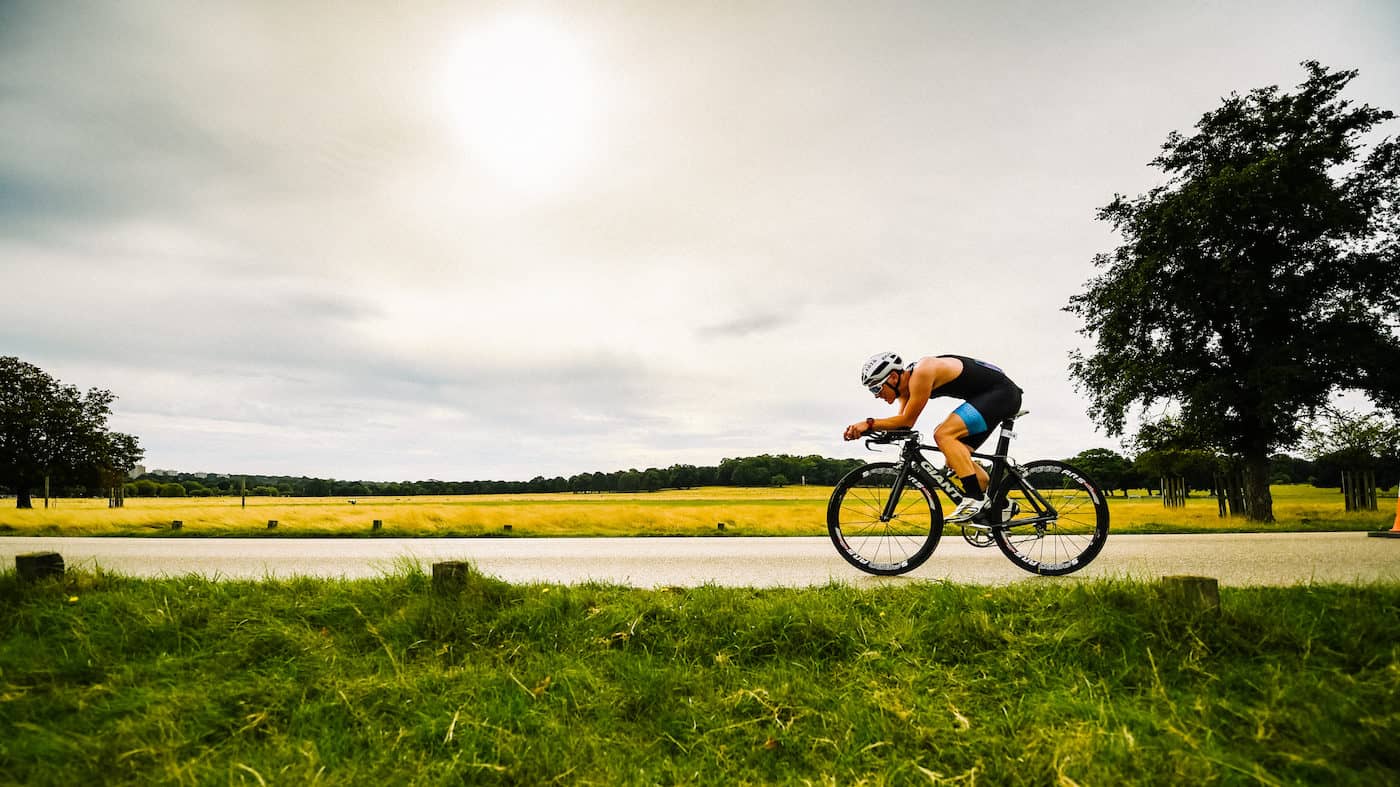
886	517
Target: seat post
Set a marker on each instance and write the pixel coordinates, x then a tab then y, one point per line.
1004	439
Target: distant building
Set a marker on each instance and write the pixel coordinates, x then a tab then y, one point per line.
137	471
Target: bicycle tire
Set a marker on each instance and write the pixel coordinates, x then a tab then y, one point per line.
885	548
1075	537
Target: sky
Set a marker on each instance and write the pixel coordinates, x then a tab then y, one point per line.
462	240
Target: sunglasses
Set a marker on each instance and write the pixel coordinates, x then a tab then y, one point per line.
876	390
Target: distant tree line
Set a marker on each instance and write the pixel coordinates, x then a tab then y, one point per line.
1201	469
1115	472
767	470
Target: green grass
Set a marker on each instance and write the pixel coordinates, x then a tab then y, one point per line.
118	680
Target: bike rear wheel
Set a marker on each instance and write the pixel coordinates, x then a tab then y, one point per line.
896	546
1076	534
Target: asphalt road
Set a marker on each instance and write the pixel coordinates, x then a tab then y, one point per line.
1233	559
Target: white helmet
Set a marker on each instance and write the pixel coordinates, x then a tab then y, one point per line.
877	368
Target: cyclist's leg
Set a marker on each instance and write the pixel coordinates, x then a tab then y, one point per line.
991	408
963	430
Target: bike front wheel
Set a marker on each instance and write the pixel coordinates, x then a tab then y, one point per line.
855	519
1058	544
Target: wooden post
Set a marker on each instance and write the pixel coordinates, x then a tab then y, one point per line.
176	525
46	490
1197	594
243	491
35	566
378	525
450	576
272	524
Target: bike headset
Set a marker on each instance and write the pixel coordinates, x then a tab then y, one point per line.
876	368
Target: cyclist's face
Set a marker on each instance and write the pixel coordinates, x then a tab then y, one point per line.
888	391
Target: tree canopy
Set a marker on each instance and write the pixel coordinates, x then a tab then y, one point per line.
1258	280
1355	441
51	430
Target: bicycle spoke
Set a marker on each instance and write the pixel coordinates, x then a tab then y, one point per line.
862	534
1062	542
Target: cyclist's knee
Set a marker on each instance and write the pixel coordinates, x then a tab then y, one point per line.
948	433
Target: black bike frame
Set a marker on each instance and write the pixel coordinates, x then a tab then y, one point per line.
912	454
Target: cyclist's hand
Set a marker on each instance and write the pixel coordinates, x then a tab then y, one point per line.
855	430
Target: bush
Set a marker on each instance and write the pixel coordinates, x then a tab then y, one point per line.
171	490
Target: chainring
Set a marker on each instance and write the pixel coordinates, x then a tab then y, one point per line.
978	537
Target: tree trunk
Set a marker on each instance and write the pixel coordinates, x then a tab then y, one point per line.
1173	492
1359	490
1258	502
22	499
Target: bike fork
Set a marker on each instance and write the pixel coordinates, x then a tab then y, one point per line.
893	495
895	492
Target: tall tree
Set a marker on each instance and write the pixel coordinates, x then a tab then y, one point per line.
1259	279
48	429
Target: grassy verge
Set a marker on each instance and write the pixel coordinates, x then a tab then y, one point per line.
117	680
790	511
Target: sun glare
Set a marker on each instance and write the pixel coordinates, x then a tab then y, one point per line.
522	93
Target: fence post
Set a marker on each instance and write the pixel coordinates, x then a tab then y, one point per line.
35	566
450	576
1197	594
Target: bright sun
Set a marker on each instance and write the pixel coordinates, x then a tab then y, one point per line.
522	93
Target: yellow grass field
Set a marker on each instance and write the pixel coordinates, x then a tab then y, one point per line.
789	511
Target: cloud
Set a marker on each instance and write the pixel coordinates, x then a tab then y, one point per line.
254	223
746	326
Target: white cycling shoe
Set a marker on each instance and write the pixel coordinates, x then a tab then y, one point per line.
967	509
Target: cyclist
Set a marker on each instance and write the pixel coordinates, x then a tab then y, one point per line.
988	395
